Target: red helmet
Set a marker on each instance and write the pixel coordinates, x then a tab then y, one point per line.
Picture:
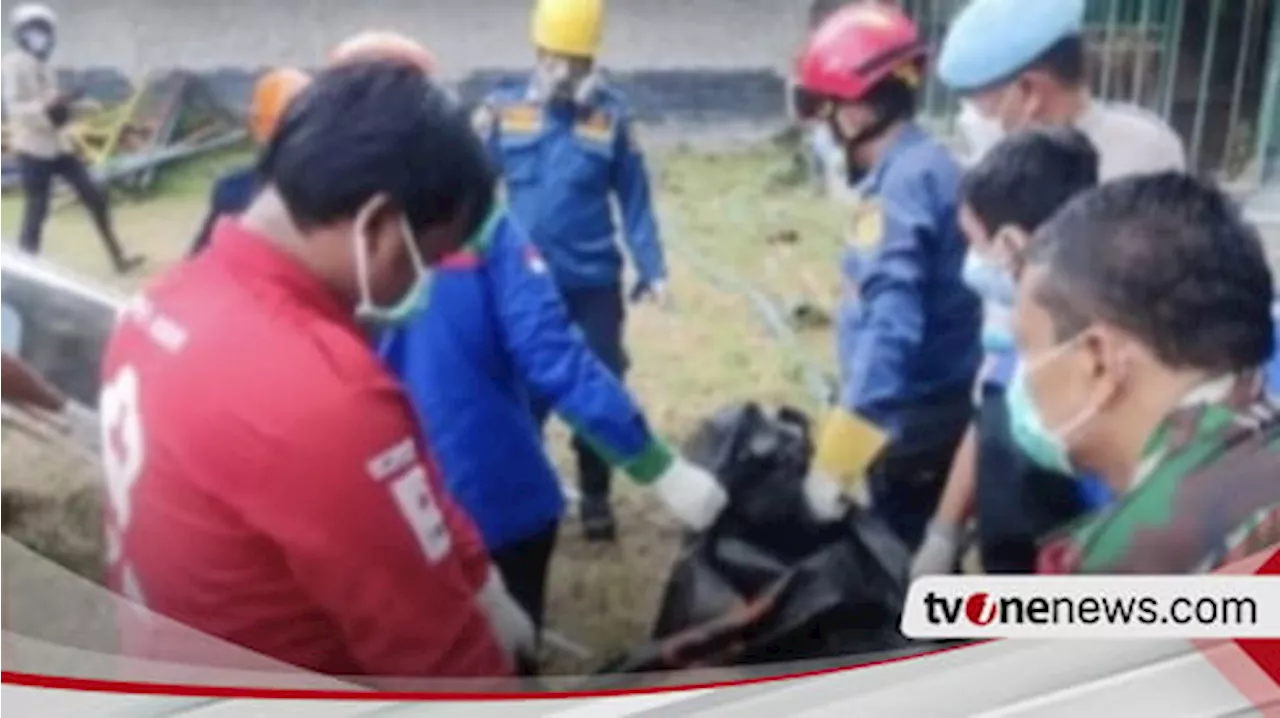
854	50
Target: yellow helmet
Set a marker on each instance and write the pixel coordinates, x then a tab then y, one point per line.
568	27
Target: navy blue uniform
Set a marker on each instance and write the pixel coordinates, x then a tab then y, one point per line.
565	166
908	326
232	193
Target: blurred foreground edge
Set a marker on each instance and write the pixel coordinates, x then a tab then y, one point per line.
56	321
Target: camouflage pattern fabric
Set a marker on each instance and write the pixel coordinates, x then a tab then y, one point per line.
1209	494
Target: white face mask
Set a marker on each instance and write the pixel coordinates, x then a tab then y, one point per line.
980	132
989	279
556	78
415	297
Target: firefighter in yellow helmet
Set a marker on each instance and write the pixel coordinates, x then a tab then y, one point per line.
564	142
233	191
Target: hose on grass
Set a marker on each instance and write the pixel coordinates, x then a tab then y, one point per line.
774	317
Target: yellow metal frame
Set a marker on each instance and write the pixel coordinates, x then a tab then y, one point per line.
97	135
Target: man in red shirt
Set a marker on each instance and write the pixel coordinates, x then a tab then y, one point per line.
267	484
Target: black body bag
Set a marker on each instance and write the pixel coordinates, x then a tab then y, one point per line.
767	582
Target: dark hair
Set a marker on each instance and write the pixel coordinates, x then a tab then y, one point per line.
1065	60
376	127
892	99
1167	257
1028	176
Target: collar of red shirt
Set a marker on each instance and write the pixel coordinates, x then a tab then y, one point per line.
251	256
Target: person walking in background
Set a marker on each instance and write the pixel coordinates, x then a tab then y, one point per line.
1011	73
233	191
565	143
39	112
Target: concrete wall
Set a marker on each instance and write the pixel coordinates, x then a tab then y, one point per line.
141	35
679	60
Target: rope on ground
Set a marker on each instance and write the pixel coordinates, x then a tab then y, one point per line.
770	313
775	321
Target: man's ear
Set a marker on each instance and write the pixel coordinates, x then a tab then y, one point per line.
381	224
1011	241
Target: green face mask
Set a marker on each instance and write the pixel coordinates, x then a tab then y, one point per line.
1047	448
415	297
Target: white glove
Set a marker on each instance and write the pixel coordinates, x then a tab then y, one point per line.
510	624
655	291
823	496
937	555
661	294
692	494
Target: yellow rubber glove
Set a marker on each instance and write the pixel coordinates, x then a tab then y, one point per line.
846	446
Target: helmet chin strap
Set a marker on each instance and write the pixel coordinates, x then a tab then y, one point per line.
860	138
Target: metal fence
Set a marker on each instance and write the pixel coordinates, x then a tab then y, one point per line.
1209	67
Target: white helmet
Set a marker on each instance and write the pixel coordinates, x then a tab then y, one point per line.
32	12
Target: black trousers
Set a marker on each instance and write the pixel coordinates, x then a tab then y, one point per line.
600	313
524	565
1017	502
37	175
906	482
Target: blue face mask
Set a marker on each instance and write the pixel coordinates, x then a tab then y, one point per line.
988	280
1046	447
37	40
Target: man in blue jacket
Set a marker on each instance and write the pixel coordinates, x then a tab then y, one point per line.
494	335
564	143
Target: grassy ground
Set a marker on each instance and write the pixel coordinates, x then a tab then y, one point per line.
708	350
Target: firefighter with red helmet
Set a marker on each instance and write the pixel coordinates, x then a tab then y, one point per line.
908	327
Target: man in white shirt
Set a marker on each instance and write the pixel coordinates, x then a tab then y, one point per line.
1035	73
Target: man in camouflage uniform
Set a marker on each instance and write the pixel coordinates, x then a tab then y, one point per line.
1143	318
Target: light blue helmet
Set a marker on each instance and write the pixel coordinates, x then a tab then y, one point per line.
992	40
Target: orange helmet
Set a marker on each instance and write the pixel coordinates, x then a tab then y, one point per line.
271	95
383	45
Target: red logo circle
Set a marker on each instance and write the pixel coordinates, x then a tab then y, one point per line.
980	609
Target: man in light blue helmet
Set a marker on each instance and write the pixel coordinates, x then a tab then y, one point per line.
1013	70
